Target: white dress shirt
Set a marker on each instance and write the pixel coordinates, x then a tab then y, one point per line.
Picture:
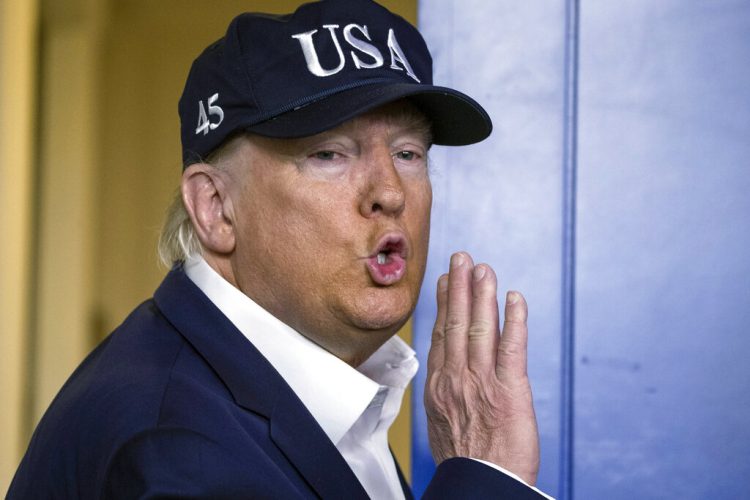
354	407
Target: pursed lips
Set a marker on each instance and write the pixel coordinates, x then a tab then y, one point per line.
387	263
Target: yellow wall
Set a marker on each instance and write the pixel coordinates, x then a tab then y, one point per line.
69	122
18	20
107	156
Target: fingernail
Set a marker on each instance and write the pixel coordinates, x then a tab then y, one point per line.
479	272
443	283
512	297
457	260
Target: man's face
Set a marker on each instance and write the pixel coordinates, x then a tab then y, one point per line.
332	230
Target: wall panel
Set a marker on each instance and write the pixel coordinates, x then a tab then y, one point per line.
18	82
662	227
663	388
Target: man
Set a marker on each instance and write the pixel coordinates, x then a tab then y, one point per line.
266	363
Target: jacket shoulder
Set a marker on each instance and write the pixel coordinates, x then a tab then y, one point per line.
115	393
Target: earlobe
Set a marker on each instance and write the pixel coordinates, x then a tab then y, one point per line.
209	207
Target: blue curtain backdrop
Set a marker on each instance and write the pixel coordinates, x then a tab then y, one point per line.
615	193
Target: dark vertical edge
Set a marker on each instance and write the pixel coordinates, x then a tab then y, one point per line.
569	177
28	409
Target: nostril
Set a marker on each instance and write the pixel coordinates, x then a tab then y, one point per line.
377	207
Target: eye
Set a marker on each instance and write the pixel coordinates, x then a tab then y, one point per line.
325	155
412	161
325	161
406	155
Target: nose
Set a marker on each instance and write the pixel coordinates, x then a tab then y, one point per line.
384	191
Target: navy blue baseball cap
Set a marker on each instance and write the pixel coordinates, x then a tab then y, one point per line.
300	74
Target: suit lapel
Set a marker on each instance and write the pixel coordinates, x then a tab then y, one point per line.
257	386
324	468
404	484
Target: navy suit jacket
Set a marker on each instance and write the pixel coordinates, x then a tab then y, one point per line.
177	403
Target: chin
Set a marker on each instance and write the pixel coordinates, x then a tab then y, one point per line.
386	325
384	310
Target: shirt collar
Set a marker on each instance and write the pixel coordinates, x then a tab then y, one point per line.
335	393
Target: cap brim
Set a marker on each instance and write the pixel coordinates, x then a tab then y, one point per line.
457	119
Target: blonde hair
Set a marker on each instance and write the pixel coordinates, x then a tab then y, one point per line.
178	241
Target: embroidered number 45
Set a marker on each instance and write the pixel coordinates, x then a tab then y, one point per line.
204	124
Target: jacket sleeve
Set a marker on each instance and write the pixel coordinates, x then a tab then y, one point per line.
465	478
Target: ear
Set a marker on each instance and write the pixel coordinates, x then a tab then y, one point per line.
209	206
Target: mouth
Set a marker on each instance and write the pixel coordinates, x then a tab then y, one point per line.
387	264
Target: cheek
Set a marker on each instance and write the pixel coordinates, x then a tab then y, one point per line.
303	230
419	216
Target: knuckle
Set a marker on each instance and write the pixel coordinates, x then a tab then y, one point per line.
512	346
485	290
479	328
509	351
476	377
515	320
443	384
454	323
438	334
459	287
438	394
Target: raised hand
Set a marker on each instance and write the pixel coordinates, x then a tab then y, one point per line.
477	395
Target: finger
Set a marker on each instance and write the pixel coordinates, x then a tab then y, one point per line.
511	352
436	356
483	329
459	309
